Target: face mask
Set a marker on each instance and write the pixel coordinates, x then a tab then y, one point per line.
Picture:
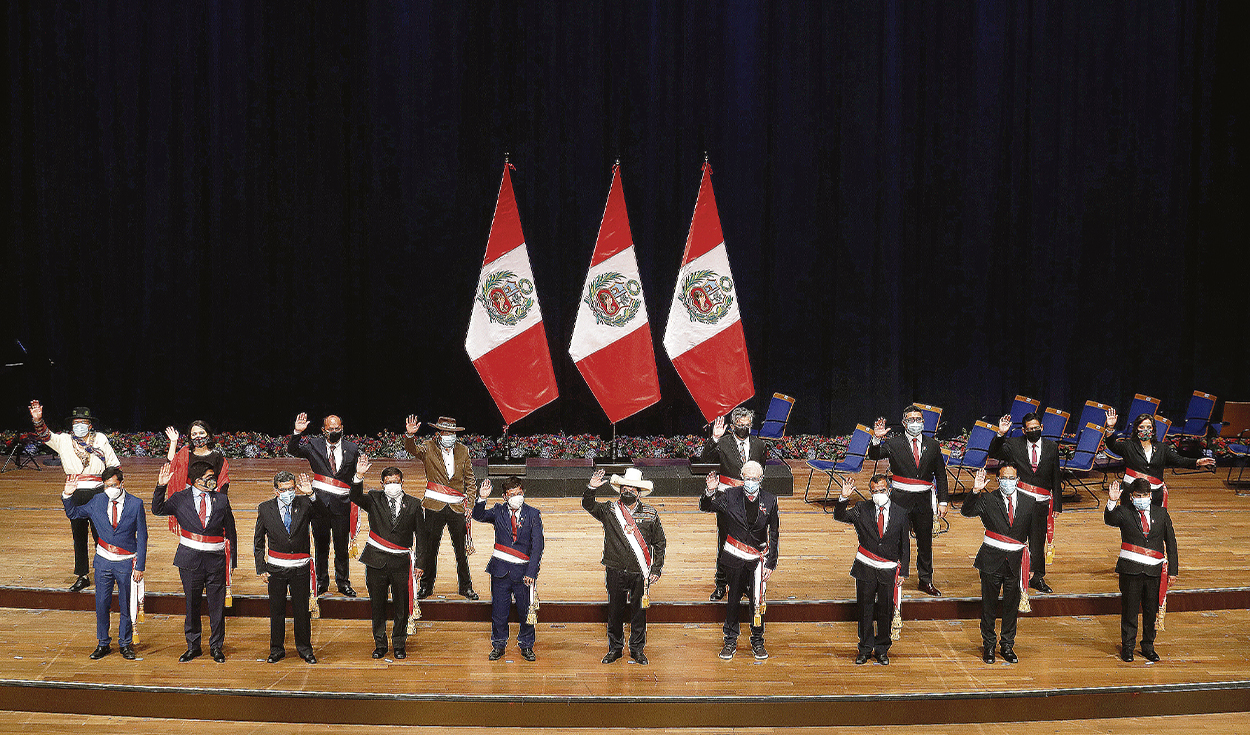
1008	487
742	432
1146	434
80	430
447	441
629	498
880	499
751	487
393	490
1033	435
914	427
286	496
1141	503
114	492
516	501
199	441
210	485
334	436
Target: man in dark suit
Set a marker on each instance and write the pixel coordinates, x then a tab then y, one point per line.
207	551
514	564
391	553
881	563
448	501
918	482
333	462
1003	558
120	555
730	452
750	551
1147	563
1037	460
282	526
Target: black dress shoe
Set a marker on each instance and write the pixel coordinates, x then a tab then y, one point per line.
1039	584
218	656
322	587
128	653
346	590
276	656
310	658
929	589
469	594
401	653
1149	654
528	654
496	653
1009	655
100	652
424	592
883	658
81	583
718	594
862	659
639	657
612	655
379	652
191	653
1126	655
987	655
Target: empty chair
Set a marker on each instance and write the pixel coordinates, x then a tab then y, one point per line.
853	462
1197	416
1092	413
775	419
975	452
1054	422
1235	428
1019	407
1082	460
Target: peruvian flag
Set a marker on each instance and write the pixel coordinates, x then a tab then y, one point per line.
704	335
506	341
612	338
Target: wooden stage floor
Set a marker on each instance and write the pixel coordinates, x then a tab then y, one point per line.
1069	669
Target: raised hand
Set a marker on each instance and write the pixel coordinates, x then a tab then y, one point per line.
1114	490
1112	417
979	482
301	423
878	428
304	484
597	479
718	427
483	490
848	487
362	465
713	482
1004	424
165	475
411	424
172	435
36	411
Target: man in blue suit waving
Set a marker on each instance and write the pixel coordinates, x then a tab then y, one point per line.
514	562
120	555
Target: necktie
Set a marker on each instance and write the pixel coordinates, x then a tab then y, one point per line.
394	512
114	514
742	449
1034	458
1145	523
286	517
334	465
881	522
203	511
1011	511
514	528
915	451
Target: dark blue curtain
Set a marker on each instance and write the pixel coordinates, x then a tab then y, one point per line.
239	210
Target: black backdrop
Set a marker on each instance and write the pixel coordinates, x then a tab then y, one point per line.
238	210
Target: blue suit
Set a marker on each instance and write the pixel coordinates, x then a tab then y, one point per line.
131	534
506	578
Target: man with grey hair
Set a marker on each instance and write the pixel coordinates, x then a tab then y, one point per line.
282	523
730	451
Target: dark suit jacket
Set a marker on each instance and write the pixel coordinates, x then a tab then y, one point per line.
1162	537
529	538
181	505
991	508
932	466
313	449
730	506
1015	451
271	530
406	531
1162	456
131	533
725	453
895	545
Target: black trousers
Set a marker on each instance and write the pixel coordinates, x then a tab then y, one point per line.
323	527
1138	592
741	581
920	511
207	581
78	527
296	581
625	596
1037	542
991	585
395	581
451	518
875	600
722	532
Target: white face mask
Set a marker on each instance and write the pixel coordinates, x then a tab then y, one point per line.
516	501
286	496
114	492
1141	503
1007	486
914	427
393	490
880	499
447	441
80	430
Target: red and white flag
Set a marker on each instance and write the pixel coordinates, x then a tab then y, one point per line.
506	341
704	336
612	337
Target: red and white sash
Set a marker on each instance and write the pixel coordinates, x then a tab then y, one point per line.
200	542
880	562
382	544
1044	496
1149	557
724	481
443	494
1156	483
912	485
89	482
510	555
113	553
1006	543
633	537
282	559
734	547
331	485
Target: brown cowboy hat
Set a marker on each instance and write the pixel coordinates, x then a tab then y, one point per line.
446	423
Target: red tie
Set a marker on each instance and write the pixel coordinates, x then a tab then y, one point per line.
1034	458
114	514
513	528
203	511
1145	523
915	451
334	465
881	522
1011	512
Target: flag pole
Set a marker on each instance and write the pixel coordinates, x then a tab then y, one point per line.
614	456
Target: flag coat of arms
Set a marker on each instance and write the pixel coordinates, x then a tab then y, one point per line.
507	342
704	337
612	337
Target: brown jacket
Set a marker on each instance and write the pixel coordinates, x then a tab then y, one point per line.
435	471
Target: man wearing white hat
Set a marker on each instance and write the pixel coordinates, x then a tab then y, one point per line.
633	553
448	502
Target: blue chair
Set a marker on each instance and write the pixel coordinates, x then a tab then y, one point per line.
773	426
852	463
1235	429
1019	407
1054	422
1093	413
1142	404
1197	416
1082	460
932	418
974	454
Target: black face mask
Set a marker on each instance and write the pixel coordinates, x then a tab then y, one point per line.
629	498
742	432
199	441
1033	435
333	436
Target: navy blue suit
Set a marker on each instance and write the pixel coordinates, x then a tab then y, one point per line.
131	534
203	572
335	521
506	578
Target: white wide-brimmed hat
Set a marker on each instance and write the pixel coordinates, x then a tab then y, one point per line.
632	478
